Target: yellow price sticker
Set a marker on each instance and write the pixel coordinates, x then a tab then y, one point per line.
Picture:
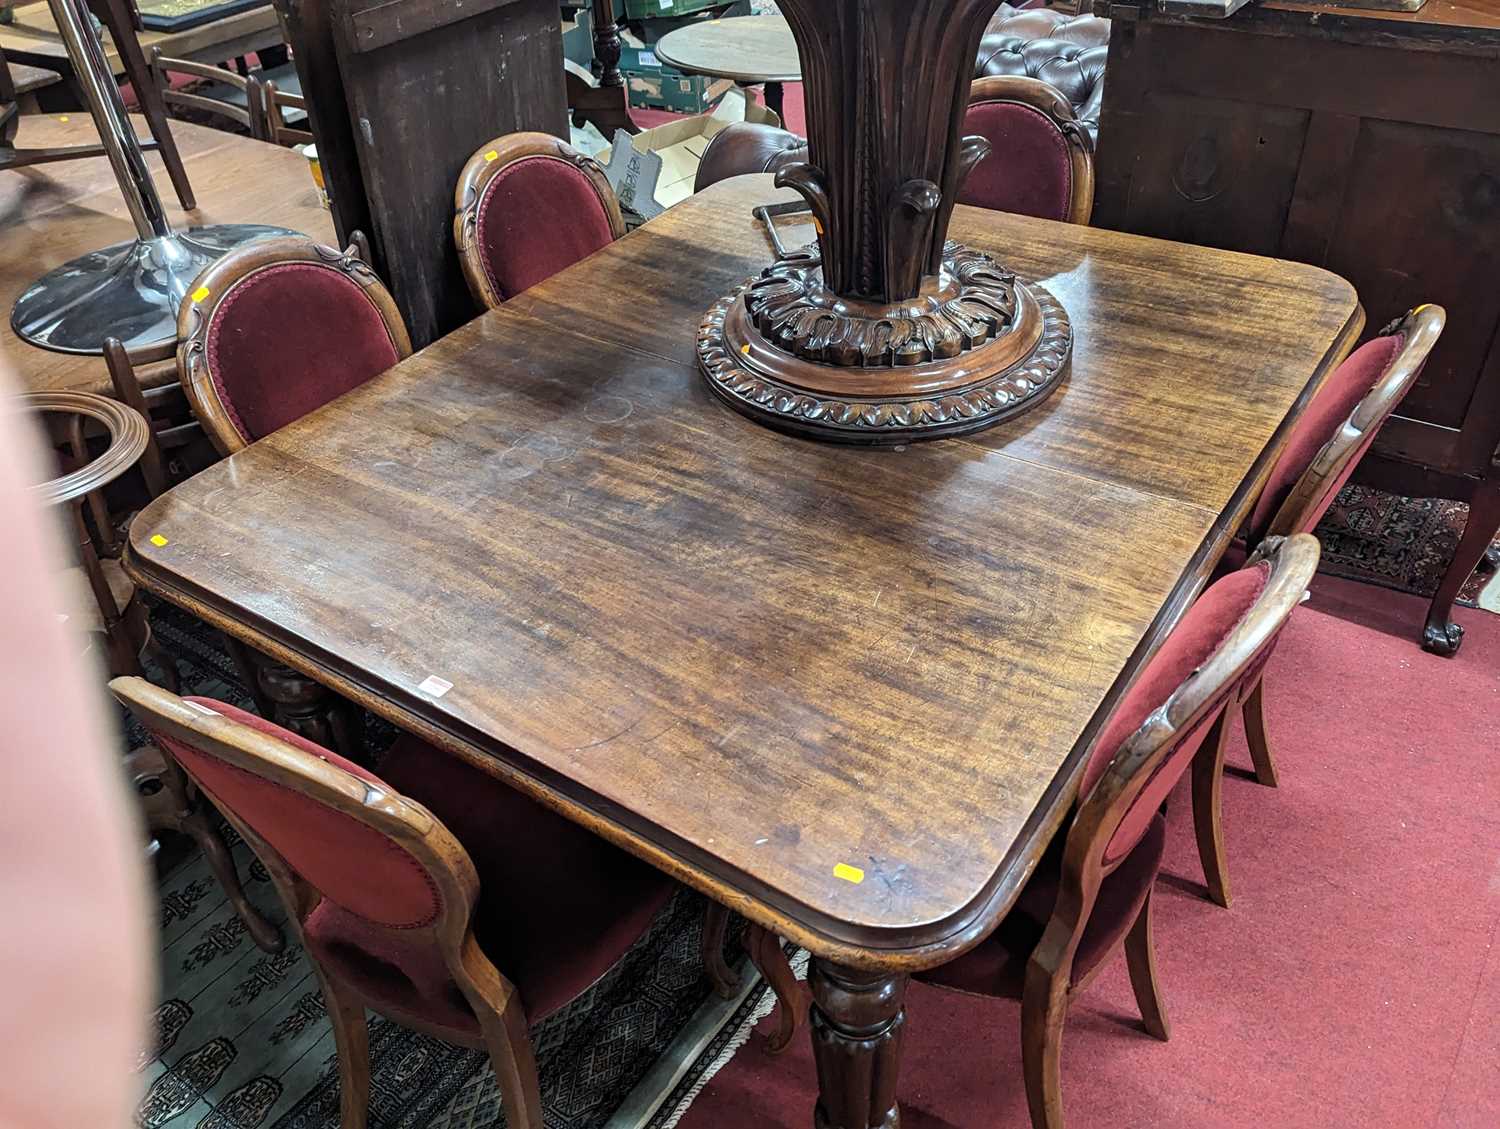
849	873
201	293
491	156
158	540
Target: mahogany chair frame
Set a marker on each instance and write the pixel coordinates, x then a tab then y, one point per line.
1049	985
1047	99
493	998
220	279
487	163
1421	329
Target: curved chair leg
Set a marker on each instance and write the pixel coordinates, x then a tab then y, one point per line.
1257	736
715	926
169	805
506	1039
1440	634
352	1038
793	996
1208	822
1044	1007
1140	957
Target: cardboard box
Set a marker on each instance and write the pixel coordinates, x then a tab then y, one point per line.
655	86
578	38
672	153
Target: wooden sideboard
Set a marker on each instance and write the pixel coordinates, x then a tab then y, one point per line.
1365	142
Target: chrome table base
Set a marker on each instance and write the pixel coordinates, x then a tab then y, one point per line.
131	290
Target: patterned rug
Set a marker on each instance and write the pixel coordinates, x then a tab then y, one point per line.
1395	542
242	1038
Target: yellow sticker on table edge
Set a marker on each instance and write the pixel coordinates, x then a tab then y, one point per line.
199	294
158	540
492	155
849	873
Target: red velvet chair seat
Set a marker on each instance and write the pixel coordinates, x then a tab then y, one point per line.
568	904
997	966
1029	170
557	905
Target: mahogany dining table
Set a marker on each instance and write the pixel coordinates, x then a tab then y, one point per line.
847	692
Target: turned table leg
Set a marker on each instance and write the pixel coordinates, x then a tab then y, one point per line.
857	1020
308	708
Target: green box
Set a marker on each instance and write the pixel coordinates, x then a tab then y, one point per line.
650	30
650	9
655	86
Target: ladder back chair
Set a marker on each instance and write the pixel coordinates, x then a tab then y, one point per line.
528	205
231	96
274	103
382	876
1092	891
277	328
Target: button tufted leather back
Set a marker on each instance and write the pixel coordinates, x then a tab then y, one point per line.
1067	52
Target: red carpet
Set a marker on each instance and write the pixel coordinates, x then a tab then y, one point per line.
1354	982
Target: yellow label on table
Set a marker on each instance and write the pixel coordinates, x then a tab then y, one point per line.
849	873
158	540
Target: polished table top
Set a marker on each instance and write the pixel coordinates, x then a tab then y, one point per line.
748	49
52	213
847	692
32	38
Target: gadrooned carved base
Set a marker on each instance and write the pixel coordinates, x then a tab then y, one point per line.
976	347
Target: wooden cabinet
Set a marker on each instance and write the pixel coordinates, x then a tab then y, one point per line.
1365	142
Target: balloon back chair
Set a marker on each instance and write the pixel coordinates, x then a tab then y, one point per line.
528	205
276	328
1092	890
1325	446
1041	161
381	877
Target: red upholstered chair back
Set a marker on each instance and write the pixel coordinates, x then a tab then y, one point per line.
336	839
1335	431
1041	161
1160	722
528	205
277	328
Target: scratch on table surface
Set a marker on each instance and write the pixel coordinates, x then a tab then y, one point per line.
728	733
611	737
876	603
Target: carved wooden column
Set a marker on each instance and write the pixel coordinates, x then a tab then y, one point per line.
607	44
857	1022
883	331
